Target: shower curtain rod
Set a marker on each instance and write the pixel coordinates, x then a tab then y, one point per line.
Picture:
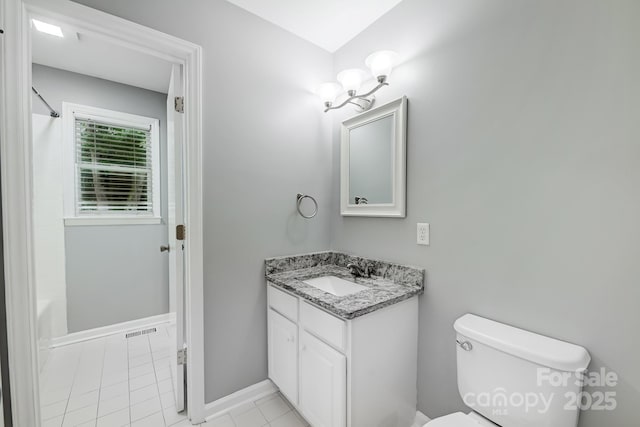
54	113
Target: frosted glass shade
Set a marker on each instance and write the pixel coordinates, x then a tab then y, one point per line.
351	79
381	63
328	92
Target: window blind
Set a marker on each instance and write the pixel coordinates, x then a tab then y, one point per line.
113	169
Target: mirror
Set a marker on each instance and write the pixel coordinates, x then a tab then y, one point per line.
373	162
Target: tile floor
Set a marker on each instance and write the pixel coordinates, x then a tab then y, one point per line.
117	382
110	381
270	411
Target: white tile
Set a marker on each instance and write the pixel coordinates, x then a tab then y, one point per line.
155	420
112	379
54	396
165	386
116	366
110	382
162	363
286	400
162	354
78	402
251	418
84	386
115	390
163	373
167	399
106	407
143	394
118	340
139	360
144	409
138	371
52	422
301	418
274	408
172	417
143	381
137	351
288	420
58	380
80	416
115	419
223	421
52	411
116	370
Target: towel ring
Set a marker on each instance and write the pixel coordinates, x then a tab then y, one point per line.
300	198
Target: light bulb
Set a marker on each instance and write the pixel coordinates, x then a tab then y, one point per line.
381	63
351	80
328	93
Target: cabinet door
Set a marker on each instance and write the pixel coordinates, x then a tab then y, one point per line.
283	355
323	383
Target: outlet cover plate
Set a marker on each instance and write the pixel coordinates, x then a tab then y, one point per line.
423	234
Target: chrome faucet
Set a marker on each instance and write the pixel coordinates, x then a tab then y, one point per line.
357	271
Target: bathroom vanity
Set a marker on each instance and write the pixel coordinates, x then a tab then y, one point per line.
343	349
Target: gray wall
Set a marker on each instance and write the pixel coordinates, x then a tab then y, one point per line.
135	284
523	156
265	140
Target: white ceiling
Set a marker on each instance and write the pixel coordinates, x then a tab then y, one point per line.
92	56
326	23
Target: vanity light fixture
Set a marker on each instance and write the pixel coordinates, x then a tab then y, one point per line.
46	28
380	63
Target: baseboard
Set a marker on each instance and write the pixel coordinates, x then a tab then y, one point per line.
104	331
421	419
249	394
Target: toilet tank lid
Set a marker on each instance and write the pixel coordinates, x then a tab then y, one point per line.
545	351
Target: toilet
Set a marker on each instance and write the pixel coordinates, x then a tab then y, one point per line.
510	377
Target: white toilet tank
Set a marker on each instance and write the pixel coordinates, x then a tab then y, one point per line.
517	378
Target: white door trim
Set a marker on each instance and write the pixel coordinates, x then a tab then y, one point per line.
17	192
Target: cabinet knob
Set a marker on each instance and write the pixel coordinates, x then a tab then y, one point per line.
304	348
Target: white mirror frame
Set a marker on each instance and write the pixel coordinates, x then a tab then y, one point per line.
397	208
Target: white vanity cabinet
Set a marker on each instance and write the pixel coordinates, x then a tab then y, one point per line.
344	373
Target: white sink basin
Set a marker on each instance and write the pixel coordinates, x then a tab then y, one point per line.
335	285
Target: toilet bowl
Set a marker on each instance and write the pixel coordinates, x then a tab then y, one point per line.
460	419
500	367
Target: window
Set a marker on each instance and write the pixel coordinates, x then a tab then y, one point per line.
111	166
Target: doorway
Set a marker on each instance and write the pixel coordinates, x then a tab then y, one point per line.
83	336
105	139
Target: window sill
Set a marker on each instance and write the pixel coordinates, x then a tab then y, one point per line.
124	220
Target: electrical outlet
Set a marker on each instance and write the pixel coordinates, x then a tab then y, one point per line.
423	234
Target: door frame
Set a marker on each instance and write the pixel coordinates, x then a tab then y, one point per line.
17	191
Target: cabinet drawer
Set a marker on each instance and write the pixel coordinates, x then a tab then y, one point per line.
283	303
323	325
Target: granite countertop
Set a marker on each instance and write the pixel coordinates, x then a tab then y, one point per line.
389	283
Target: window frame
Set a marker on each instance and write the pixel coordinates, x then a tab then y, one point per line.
69	113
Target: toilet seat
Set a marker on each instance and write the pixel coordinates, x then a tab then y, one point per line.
457	419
